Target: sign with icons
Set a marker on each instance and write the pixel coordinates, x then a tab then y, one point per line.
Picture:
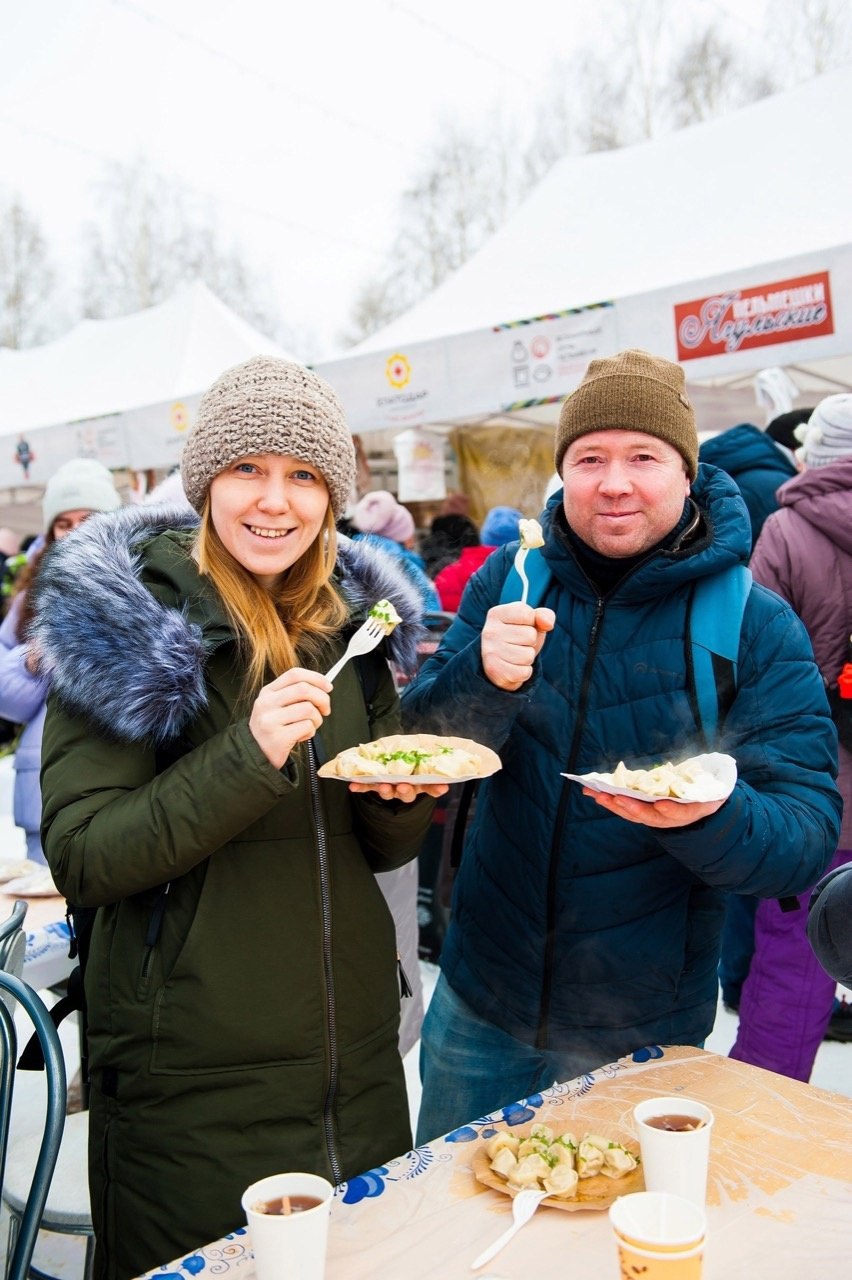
486	371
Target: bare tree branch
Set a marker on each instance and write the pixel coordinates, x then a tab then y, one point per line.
26	278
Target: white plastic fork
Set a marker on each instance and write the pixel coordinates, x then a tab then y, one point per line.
362	641
524	1206
520	557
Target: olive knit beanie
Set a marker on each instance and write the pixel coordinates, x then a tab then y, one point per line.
631	391
268	405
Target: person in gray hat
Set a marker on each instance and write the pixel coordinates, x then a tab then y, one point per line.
585	926
242	983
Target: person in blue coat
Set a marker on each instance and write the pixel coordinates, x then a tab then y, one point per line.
757	463
585	926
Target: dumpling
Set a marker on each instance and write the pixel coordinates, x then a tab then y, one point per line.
544	1161
529	1170
500	1140
590	1159
532	1146
543	1132
504	1162
451	762
562	1181
617	1161
531	534
384	613
561	1153
352	763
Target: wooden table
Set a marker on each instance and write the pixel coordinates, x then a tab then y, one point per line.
779	1194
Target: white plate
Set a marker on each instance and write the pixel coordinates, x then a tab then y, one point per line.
490	761
425	779
20	867
722	771
36	885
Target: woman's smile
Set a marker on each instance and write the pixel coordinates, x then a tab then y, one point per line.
250	498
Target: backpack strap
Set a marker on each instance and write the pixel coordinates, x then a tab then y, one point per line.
715	622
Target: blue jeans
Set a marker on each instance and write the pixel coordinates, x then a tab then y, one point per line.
470	1068
737	946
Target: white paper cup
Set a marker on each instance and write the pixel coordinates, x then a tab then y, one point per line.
685	1265
288	1247
675	1162
658	1221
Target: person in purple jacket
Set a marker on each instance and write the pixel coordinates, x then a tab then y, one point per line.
804	553
73	493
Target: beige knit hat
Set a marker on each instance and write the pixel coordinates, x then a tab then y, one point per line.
631	391
269	405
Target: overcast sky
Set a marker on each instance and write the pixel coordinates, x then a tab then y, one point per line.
301	122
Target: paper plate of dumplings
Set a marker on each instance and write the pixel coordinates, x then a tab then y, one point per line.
580	1170
413	757
700	778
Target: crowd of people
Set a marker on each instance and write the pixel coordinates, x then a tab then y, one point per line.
162	663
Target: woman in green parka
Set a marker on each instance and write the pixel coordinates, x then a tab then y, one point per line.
242	984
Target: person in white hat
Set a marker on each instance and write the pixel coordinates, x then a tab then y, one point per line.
77	490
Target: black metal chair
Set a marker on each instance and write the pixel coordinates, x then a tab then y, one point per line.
13	940
67	1210
24	1227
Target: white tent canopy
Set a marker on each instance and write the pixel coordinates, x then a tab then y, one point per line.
123	390
622	248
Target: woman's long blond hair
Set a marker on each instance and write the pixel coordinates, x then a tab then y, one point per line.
282	628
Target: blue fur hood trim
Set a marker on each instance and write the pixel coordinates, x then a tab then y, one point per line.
133	666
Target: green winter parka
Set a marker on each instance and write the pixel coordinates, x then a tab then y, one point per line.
242	985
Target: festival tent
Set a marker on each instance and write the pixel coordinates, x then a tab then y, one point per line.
726	246
123	391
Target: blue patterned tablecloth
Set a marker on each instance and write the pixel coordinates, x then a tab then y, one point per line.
46	961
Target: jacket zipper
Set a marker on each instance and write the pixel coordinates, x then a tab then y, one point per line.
152	933
331	1008
553	866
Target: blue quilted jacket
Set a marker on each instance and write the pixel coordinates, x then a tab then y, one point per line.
574	928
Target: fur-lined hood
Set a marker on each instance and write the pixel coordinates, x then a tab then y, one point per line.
132	664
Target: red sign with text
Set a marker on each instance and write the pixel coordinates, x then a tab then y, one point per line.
743	318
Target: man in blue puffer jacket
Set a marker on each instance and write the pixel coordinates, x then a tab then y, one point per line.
586	926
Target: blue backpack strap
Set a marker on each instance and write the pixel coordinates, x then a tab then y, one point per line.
535	567
715	623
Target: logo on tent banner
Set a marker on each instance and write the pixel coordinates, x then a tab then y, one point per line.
398	371
179	416
758	317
